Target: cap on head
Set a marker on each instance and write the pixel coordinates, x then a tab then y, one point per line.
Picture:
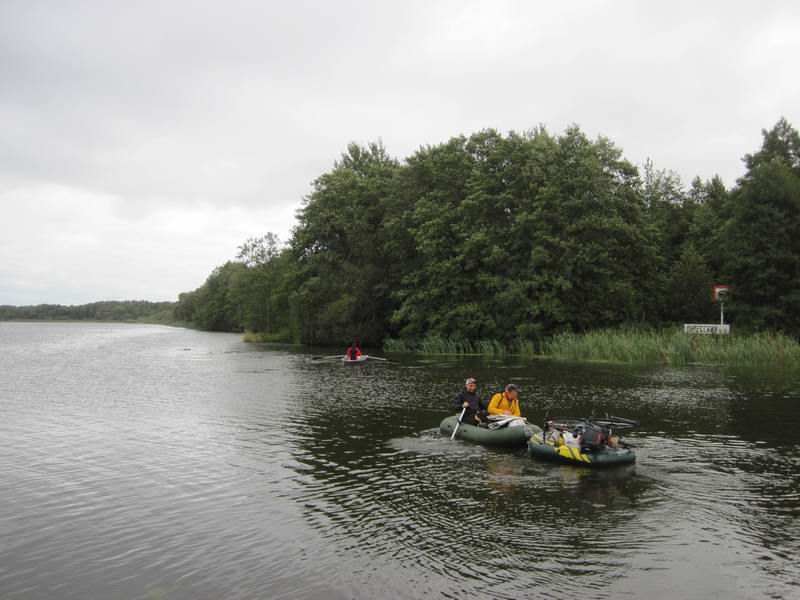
471	380
512	388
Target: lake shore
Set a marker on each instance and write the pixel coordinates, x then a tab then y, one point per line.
667	347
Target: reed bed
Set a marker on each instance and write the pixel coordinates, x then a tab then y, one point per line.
673	347
398	345
448	346
635	346
455	346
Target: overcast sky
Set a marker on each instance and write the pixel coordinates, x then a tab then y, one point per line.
142	142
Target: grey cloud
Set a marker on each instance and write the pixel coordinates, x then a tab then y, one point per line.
210	106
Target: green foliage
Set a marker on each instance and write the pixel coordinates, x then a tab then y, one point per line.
218	305
278	337
251	294
674	347
343	270
689	284
494	243
520	236
448	346
125	311
635	345
517	243
258	289
781	143
763	235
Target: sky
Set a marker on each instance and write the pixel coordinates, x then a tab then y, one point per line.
142	142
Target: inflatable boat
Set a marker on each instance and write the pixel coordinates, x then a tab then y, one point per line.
602	457
511	436
586	442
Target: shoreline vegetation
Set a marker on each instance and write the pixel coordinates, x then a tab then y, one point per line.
106	311
141	321
280	338
496	244
668	347
654	347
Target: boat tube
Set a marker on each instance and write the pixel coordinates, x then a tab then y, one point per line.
586	442
360	359
512	436
601	457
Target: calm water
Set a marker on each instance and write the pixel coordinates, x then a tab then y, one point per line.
150	462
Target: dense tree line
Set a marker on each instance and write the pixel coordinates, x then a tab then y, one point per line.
128	310
517	236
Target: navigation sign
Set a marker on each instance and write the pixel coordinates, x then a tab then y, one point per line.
718	292
706	328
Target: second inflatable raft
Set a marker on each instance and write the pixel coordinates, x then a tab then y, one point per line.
601	457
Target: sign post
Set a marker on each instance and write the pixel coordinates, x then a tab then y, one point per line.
718	293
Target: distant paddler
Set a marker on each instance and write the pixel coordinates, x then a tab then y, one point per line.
353	352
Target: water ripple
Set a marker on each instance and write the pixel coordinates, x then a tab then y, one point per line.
149	462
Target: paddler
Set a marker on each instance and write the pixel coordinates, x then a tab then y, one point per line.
469	401
353	352
505	403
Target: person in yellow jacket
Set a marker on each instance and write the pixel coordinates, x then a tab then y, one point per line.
505	403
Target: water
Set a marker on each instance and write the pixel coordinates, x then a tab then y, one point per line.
149	462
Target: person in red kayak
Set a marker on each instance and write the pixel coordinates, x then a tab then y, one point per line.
353	352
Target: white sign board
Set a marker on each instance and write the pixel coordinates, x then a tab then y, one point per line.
706	329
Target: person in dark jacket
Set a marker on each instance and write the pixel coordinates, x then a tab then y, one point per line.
468	399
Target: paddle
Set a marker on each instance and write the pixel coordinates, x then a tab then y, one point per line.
461	416
394	362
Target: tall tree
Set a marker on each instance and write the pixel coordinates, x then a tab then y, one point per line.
763	234
523	235
256	286
689	288
706	231
342	279
216	306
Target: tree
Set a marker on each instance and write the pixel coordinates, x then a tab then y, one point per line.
515	236
217	307
522	235
343	276
259	251
256	285
706	230
763	234
782	143
689	288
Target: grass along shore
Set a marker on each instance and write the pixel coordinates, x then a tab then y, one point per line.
452	346
667	347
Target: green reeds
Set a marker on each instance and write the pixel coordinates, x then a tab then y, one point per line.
673	347
636	346
445	345
397	345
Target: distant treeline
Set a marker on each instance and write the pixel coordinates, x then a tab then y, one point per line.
128	310
518	236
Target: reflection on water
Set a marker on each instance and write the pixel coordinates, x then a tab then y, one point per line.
149	462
